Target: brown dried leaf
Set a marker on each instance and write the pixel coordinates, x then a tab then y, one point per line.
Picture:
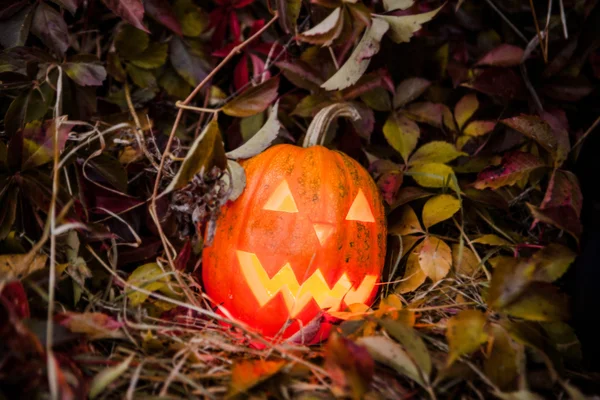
468	264
435	258
408	223
94	325
247	374
13	266
253	100
563	217
563	191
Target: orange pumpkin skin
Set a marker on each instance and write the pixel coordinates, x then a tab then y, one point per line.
295	216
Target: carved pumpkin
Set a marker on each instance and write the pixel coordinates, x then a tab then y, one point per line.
307	234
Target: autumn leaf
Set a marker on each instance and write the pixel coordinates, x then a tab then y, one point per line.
435	258
261	139
439	208
540	302
403	27
393	355
408	222
326	31
426	112
562	217
391	5
107	376
206	151
465	108
542	132
162	12
95	325
187	62
253	100
149	277
412	343
85	74
359	60
402	134
504	360
465	263
413	275
154	56
563	191
515	165
432	175
350	366
247	374
551	262
504	55
18	266
465	333
15	30
51	28
409	90
479	128
435	152
289	11
131	11
491	240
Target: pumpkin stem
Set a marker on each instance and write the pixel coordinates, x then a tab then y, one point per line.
322	121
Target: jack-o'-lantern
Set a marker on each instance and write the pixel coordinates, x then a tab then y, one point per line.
307	234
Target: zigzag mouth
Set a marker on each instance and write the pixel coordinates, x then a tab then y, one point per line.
296	296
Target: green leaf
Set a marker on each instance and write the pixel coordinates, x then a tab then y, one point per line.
114	67
359	60
206	151
465	108
401	133
253	100
390	353
465	333
247	374
412	343
433	175
85	74
188	61
402	27
8	208
435	152
435	258
131	41
154	56
192	18
439	208
174	84
38	142
141	77
28	106
261	139
107	376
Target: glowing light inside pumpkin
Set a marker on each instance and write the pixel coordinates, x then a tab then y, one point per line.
360	209
282	199
323	231
297	296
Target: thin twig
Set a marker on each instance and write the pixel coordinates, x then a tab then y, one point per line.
52	376
179	104
537	29
513	27
563	19
590	129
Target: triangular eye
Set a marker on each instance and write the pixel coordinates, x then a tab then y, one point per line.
282	199
360	209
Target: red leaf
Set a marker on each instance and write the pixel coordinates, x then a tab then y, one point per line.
184	256
13	295
95	325
561	217
131	11
241	72
514	166
376	79
496	81
563	191
162	12
505	55
389	184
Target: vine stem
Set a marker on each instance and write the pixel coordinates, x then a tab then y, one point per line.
165	154
317	130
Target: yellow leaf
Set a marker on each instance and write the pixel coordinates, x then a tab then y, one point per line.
433	175
148	277
18	266
468	264
465	333
502	363
402	134
435	258
414	275
491	240
439	208
408	223
435	152
465	108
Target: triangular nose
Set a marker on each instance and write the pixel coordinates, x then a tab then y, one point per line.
323	231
